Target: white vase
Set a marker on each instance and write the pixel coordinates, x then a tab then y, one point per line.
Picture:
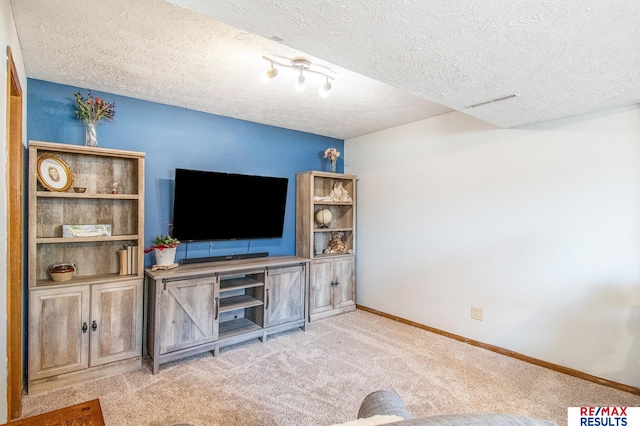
91	133
165	256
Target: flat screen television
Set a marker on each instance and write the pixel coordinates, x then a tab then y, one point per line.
214	206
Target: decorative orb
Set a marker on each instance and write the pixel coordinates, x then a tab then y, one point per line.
323	217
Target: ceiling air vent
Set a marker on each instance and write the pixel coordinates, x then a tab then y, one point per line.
493	101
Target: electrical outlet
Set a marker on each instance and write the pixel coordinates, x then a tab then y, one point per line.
476	313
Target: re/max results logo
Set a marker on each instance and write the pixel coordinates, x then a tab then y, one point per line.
603	416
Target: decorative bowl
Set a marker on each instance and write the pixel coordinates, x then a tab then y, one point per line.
79	189
62	271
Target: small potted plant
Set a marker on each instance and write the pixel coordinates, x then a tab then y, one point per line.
164	247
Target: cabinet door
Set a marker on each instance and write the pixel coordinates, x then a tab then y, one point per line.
116	322
321	290
344	273
284	295
189	310
59	331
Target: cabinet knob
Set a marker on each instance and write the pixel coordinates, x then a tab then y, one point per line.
94	325
84	327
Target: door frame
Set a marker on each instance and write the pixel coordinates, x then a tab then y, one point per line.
15	252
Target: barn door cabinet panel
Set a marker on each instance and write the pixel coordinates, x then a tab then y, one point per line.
332	287
326	233
203	307
116	322
90	325
188	318
285	291
75	328
58	331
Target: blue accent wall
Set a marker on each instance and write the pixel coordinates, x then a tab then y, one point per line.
175	137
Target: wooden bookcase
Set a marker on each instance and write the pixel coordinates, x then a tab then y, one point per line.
91	324
332	275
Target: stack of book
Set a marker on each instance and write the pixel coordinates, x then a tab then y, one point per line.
128	260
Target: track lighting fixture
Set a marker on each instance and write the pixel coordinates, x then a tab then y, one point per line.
269	73
303	66
324	90
300	85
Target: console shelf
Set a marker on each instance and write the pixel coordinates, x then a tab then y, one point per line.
203	307
239	283
234	303
237	327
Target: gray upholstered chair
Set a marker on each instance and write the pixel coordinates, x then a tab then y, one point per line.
386	402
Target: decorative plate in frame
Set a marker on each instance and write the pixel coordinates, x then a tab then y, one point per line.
53	173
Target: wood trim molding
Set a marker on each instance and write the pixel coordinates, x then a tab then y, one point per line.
14	241
548	365
86	414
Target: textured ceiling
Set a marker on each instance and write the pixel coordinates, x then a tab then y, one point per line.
394	61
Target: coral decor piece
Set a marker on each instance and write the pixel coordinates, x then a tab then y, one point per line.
340	194
336	244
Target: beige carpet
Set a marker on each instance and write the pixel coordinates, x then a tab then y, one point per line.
319	377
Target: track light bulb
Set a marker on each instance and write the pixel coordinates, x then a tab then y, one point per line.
324	90
272	73
269	74
300	85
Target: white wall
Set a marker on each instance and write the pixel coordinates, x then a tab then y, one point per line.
8	37
539	226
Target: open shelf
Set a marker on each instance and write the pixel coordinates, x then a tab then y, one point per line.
335	193
332	229
87	279
237	327
238	302
333	203
322	237
241	303
341	216
59	240
88	196
239	283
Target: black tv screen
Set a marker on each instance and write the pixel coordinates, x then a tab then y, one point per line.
211	206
